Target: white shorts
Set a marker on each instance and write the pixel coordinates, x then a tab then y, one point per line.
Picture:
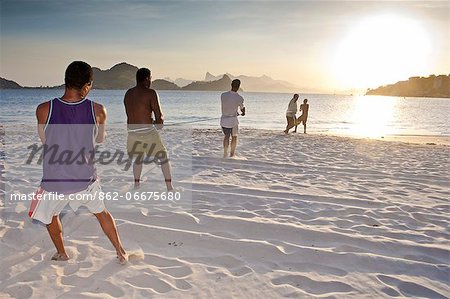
44	209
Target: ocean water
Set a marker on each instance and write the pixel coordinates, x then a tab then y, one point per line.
361	116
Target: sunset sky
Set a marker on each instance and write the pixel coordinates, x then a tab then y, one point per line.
326	46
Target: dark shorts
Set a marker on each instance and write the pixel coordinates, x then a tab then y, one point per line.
230	131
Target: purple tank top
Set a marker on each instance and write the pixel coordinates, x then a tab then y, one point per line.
69	147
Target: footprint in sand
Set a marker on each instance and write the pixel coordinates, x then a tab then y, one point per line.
177	271
109	288
159	261
147	281
241	271
19	291
410	289
312	286
183	285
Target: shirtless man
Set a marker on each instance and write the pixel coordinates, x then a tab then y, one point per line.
143	141
304	117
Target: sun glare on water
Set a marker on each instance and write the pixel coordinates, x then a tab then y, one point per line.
382	49
372	116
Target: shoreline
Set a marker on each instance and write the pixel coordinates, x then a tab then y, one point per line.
430	140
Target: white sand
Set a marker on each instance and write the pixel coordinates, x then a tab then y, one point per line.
297	216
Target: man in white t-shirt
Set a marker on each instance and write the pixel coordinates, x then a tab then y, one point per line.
231	102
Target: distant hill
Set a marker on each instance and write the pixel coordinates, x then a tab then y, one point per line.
432	86
218	85
8	84
161	84
262	83
120	76
182	82
123	76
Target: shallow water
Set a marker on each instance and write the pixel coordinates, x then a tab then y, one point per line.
362	116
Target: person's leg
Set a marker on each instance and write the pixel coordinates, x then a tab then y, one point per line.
233	145
137	171
295	123
226	144
304	127
165	167
290	124
287	125
135	150
109	228
55	231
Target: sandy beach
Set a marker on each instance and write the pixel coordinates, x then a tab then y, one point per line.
298	216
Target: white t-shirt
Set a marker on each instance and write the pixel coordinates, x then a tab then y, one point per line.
292	108
231	101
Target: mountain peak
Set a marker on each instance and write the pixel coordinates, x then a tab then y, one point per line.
123	66
210	77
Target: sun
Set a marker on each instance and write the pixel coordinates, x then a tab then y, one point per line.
382	49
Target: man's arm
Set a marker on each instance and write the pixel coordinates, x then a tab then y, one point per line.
241	106
100	118
156	107
125	102
42	112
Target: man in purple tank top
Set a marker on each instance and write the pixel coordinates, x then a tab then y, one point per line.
72	124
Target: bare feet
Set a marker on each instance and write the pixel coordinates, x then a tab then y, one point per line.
169	184
137	184
122	257
60	257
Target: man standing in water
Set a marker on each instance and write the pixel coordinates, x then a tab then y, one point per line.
69	125
144	142
231	102
290	114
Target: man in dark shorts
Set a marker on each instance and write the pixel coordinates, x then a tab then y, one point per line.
231	103
143	140
290	114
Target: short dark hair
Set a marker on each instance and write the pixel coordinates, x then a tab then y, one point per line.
236	83
78	73
142	74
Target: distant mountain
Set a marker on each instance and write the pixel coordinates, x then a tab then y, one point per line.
262	83
120	76
218	85
432	86
211	77
161	84
182	82
8	84
123	76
